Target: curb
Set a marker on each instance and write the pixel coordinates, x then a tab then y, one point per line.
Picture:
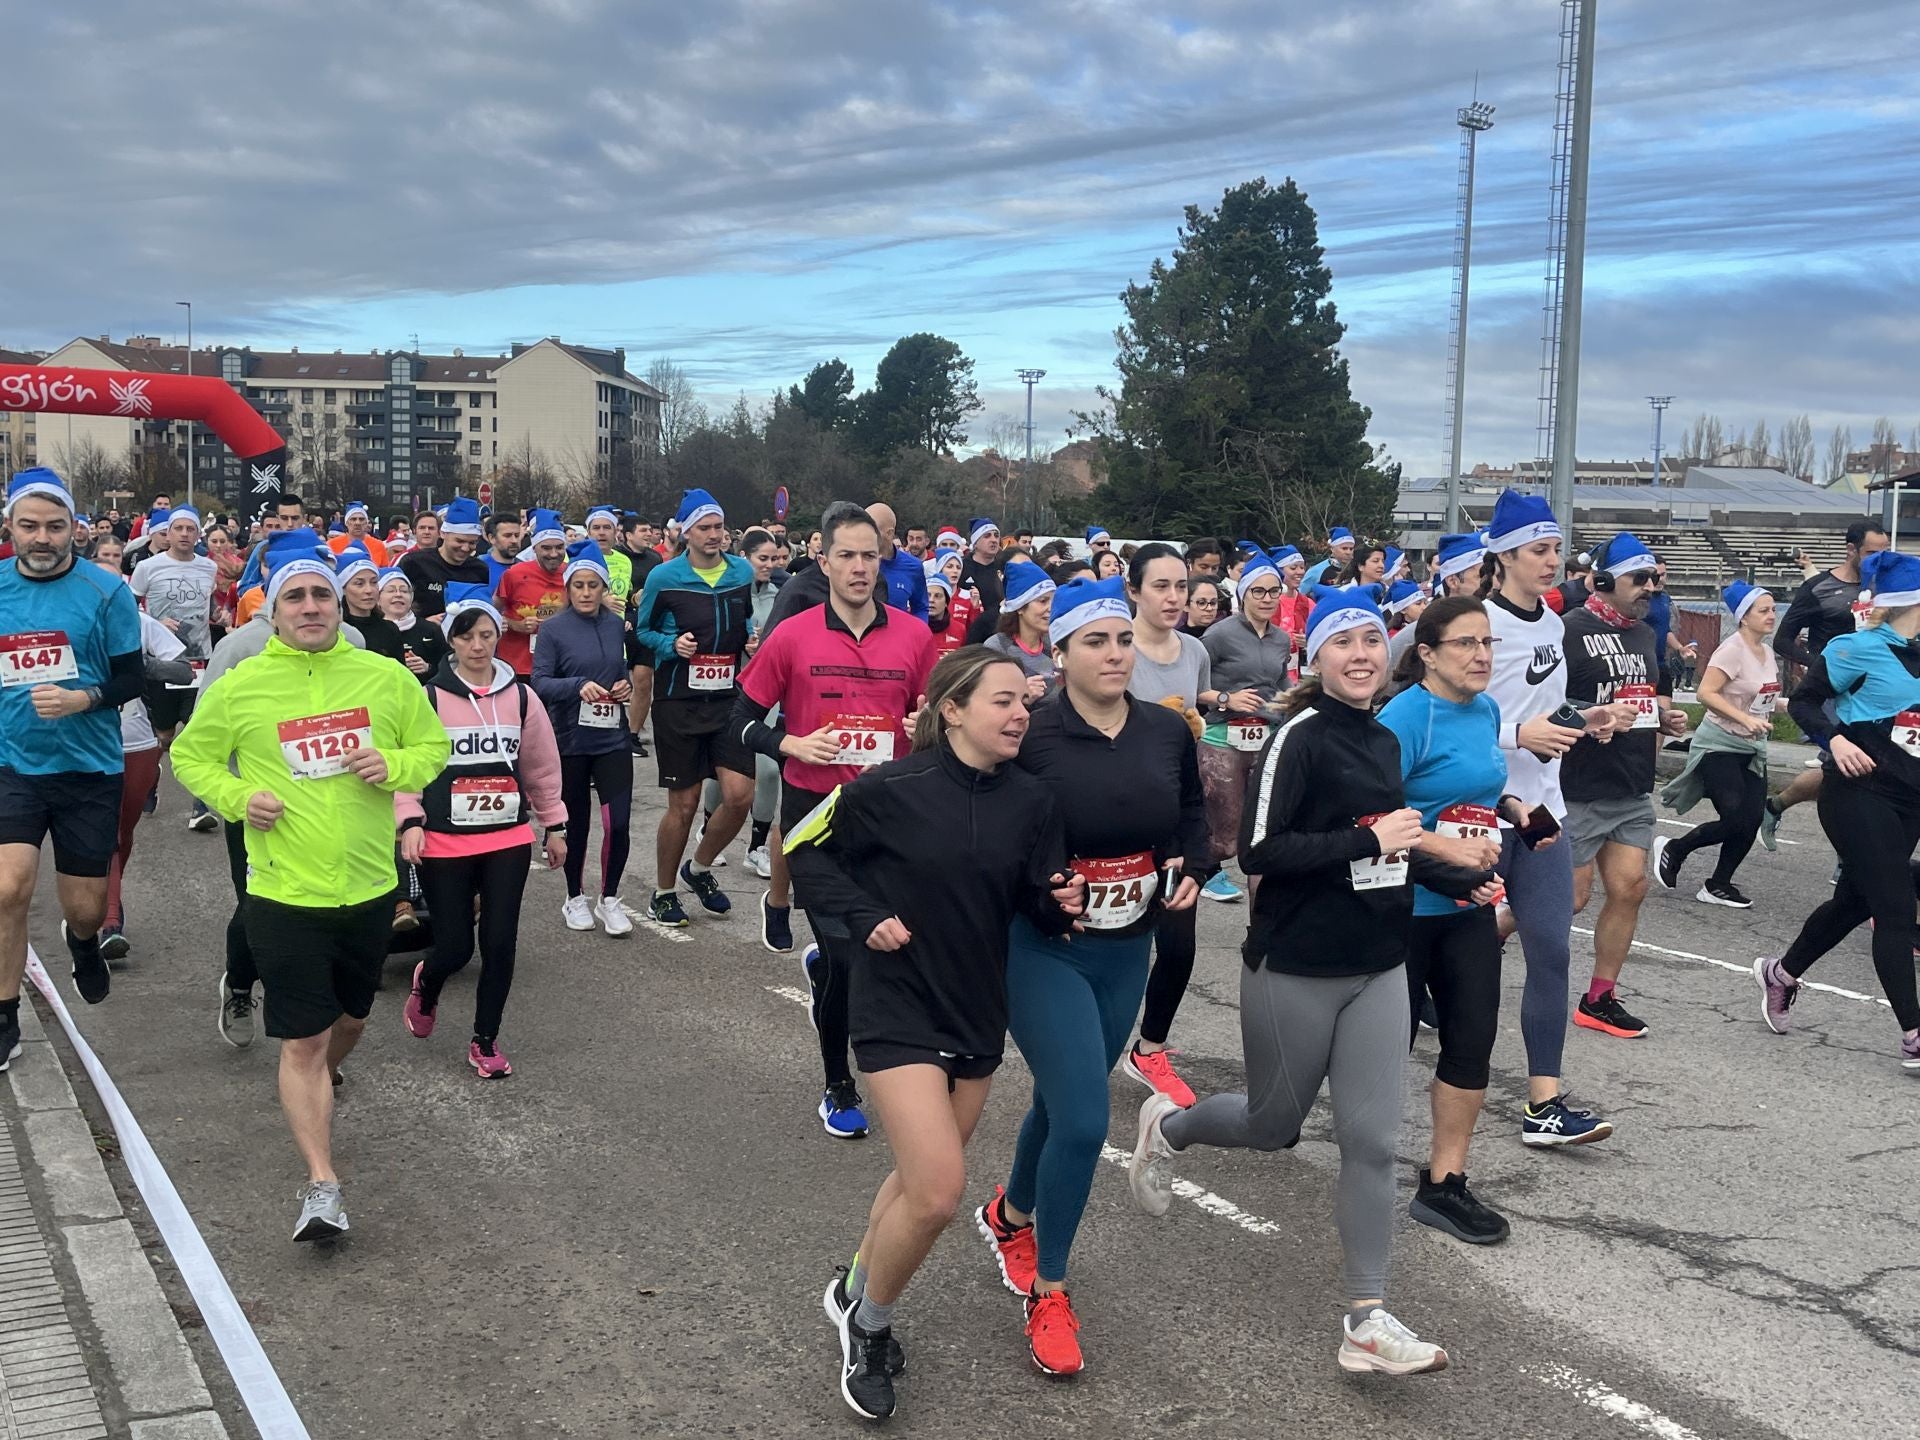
103	1340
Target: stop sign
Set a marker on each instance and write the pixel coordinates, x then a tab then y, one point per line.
486	492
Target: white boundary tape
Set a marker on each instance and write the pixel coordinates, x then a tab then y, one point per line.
253	1374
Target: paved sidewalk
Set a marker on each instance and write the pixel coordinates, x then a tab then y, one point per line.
89	1346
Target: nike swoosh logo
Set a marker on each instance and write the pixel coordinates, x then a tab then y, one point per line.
1535	675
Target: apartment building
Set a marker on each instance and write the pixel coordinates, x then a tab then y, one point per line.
19	431
394	428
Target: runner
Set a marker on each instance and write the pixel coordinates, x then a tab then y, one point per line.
1295	605
1072	1006
982	571
1450	761
1022	635
1403	606
532	591
1458	562
358	534
70	658
1613	659
757	549
692	617
1537	727
1367	567
1203	604
844	676
324	735
422	646
468	832
928	1012
451	562
1728	761
175	584
948	614
583	670
1250	656
1339	556
904	576
603	528
1869	798
503	534
359	581
1323	997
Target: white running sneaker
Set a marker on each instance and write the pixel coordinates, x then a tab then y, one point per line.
578	913
1381	1343
693	846
1147	1173
612	916
758	862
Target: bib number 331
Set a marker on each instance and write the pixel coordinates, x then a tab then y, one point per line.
320	745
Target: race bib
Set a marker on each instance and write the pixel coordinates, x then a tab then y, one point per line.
321	745
199	674
1119	892
863	739
1646	708
1906	732
600	714
1862	608
710	672
1765	700
1247	732
1377	872
1468	822
485	800
37	657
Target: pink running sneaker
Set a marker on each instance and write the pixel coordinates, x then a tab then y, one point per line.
487	1061
1155	1071
419	1019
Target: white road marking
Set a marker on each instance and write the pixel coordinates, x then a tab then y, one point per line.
1591	1392
1688	825
1746	969
787	992
1208	1201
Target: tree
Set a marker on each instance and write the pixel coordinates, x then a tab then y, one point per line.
1759	444
525	480
1886	441
826	396
681	412
91	472
1796	447
1839	446
1704	442
922	393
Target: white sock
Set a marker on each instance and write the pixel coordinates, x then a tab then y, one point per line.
694	867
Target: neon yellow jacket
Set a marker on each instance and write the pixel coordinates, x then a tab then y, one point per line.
333	845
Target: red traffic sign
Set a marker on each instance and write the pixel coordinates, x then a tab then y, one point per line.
486	492
780	505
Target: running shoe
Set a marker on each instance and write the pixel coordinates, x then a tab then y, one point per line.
836	1303
699	834
1382	1344
865	1383
9	1039
1609	1017
322	1216
776	925
1155	1071
90	974
405	919
236	1021
202	819
612	916
419	1020
1723	892
639	747
1053	1334
840	1111
1770	814
666	910
1429	1016
577	912
1221	888
815	966
1447	1204
1147	1174
705	889
152	802
1778	991
1554	1122
1013	1246
487	1060
1910	1052
113	943
760	862
1666	865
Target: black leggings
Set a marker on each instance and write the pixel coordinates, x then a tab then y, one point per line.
498	878
1457	957
1174	944
1739	794
242	975
611	776
1874	837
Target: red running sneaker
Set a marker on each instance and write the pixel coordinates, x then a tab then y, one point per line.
1053	1333
1155	1071
1012	1246
419	1019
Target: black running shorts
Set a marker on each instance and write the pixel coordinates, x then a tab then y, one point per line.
882	1056
317	964
79	808
692	739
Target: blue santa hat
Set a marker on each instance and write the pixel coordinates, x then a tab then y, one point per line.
352	561
1285	556
284	575
1458	554
1739	598
544	525
184	512
1339	535
1391	558
1337	610
1520	519
1624	554
358	507
613	514
1250	573
1025	583
982	526
695	506
583	556
937	580
1083	601
462	597
1096	532
392	575
1403	594
1893	578
461	517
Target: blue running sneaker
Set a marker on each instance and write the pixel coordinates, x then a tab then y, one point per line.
1221	888
815	964
840	1111
665	909
1554	1122
706	889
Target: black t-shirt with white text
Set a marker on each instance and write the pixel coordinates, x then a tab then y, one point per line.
1601	658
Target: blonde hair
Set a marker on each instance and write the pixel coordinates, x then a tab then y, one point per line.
955	678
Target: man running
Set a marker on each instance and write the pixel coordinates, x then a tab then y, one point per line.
324	734
359	535
452	561
1613	658
175	585
531	591
1339	556
982	569
504	534
69	659
1827	605
603	528
692	616
904	576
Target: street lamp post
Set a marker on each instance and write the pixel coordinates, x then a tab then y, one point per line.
1474	120
1659	404
189	307
1029	378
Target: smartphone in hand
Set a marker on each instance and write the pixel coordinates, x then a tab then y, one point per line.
1540	825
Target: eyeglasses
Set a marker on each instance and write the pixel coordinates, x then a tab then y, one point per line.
1264	592
1205	602
1464	645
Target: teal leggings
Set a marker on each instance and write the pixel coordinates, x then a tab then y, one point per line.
1071	1007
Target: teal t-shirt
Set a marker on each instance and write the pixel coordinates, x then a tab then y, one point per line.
1449	755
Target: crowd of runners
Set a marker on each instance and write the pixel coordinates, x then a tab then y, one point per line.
1393	772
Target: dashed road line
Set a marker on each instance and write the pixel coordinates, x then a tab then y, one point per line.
1746	969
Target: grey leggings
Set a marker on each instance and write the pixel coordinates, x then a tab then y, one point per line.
1540	893
1298	1030
766	791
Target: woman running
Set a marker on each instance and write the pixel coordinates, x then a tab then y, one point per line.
1171	669
1107	565
1294	607
1454	772
1727	763
1123	774
1024	616
1368	566
468	831
1869	796
1203	604
422	645
360	605
229	564
583	670
928	1004
1323	997
1250	656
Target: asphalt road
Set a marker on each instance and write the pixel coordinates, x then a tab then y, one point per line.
631	1235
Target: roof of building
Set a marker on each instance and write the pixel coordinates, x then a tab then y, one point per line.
16	357
1709	487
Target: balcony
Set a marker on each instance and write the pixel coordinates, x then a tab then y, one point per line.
422	408
436	437
269	407
367	407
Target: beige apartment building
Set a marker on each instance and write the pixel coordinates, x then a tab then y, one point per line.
19	430
394	428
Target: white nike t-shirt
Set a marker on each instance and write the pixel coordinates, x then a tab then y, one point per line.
1529	679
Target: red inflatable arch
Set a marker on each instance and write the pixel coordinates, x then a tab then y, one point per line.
207	399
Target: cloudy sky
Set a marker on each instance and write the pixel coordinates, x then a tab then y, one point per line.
749	186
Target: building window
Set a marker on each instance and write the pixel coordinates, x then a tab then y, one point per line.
332	397
473	448
306	419
496	424
376	467
496	449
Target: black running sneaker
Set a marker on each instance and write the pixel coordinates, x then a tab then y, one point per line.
706	889
9	1039
1447	1204
1723	892
91	977
1666	864
1609	1017
836	1304
864	1381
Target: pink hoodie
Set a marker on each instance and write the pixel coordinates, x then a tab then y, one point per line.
539	761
